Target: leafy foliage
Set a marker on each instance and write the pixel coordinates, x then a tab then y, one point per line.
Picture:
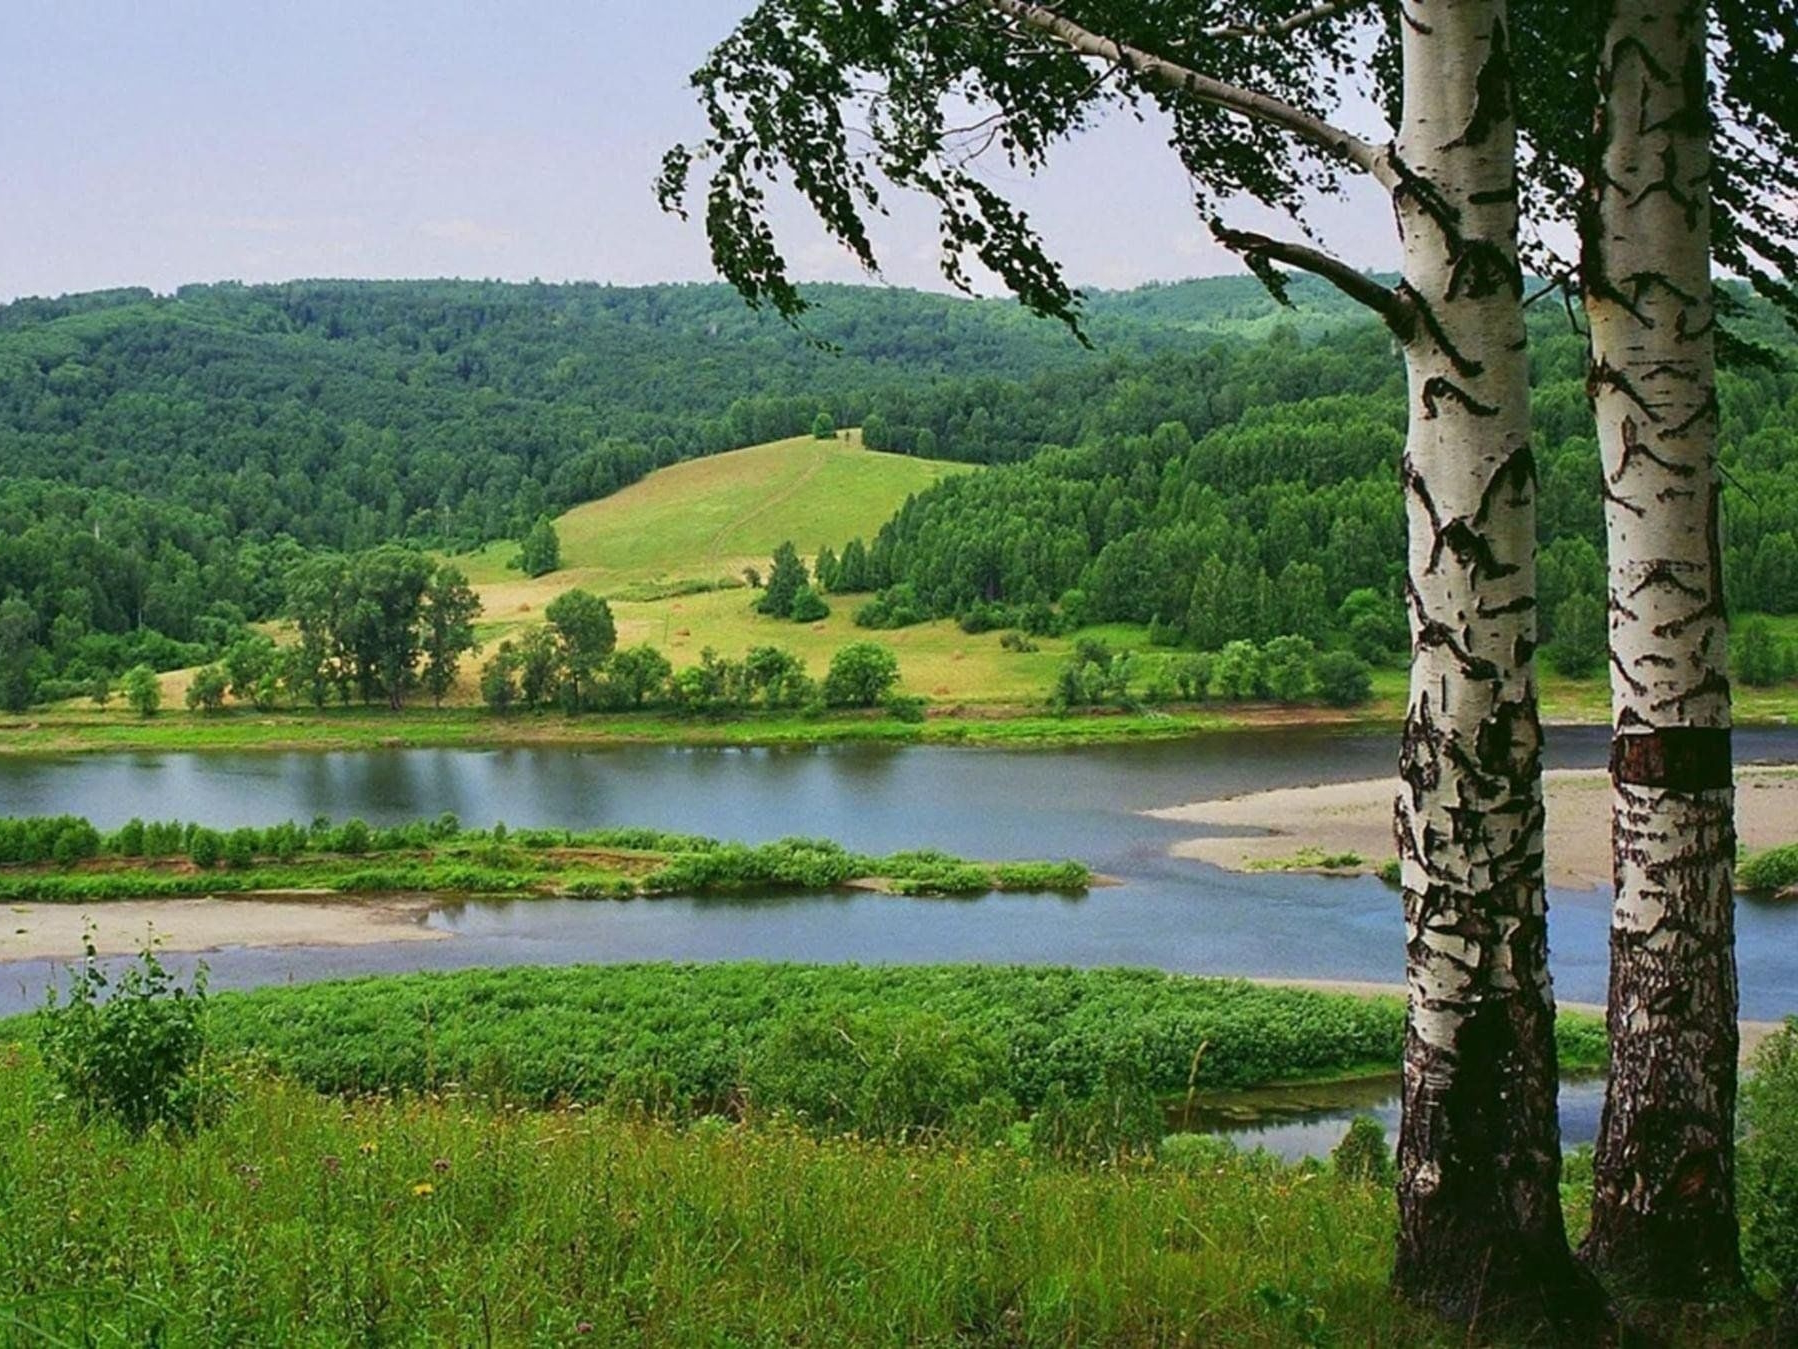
1769	1162
132	1050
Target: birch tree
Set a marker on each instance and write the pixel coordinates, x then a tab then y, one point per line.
1638	162
840	98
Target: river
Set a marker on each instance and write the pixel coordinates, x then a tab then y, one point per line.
1084	803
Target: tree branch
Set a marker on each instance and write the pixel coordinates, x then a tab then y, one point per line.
1259	250
1344	145
1304	19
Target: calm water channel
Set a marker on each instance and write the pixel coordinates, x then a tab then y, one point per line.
1085	803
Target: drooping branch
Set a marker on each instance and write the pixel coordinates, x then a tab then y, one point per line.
1291	24
1344	145
1259	250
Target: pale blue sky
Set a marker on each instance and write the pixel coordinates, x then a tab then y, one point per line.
154	142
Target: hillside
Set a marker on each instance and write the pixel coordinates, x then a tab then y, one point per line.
704	521
708	518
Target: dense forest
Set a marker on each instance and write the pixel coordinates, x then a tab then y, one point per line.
1250	491
169	460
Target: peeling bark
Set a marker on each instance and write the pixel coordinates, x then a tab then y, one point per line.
1481	1234
1664	1222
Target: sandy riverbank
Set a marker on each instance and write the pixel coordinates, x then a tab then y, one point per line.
54	931
1356	817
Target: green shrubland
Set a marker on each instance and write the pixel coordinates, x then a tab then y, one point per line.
703	1038
67	858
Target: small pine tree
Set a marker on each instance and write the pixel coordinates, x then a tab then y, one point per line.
786	575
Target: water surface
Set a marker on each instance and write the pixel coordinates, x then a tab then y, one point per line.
989	803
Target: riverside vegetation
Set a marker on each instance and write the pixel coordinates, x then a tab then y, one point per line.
919	1156
65	858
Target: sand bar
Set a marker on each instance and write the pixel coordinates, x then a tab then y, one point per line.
1356	817
54	931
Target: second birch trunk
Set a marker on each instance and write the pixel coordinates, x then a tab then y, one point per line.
1664	1221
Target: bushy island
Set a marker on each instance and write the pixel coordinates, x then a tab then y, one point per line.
715	1155
65	858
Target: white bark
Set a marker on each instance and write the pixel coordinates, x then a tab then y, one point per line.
1480	1222
1664	1219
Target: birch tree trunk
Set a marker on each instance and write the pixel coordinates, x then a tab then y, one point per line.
1480	1231
1664	1221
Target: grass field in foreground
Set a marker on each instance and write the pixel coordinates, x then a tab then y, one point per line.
300	1220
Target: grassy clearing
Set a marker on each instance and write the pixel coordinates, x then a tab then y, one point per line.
306	1221
879	1047
710	517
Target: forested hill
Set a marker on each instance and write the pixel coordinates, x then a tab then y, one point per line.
348	412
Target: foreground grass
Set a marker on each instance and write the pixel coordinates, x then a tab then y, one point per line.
304	1220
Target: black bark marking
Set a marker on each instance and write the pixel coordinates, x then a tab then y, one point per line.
1678	758
1438	389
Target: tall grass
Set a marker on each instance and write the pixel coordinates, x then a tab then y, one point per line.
300	1220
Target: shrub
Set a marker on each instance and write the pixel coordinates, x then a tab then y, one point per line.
205	848
1768	1181
206	693
1343	678
1286	668
135	1054
1775	869
1236	673
142	693
808	606
905	707
353	838
1362	1154
240	848
1017	641
860	675
1122	1119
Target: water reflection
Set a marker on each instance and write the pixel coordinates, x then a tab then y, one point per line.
1309	1120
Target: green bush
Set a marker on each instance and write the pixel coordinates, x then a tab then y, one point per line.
205	848
860	675
906	707
1775	869
808	606
1768	1165
135	1053
549	1034
1343	678
1362	1154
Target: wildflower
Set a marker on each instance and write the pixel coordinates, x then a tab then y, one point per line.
424	1189
332	1165
370	1148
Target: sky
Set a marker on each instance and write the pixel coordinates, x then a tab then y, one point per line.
159	142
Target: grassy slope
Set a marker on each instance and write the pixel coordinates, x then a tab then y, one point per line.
709	517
